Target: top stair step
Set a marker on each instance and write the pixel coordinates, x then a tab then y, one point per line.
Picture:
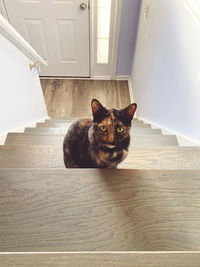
99	210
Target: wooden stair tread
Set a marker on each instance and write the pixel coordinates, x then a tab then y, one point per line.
47	130
66	125
136	259
99	210
139	157
139	140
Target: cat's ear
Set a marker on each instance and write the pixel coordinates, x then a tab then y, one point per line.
129	111
96	106
98	110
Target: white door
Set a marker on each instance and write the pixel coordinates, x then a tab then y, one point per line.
58	30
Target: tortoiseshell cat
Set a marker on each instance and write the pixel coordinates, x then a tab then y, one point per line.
101	143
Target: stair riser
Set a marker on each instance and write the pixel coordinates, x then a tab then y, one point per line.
21	139
155	158
66	125
102	259
47	131
74	119
63	123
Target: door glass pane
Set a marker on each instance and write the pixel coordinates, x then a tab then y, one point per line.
103	30
104	3
102	51
103	23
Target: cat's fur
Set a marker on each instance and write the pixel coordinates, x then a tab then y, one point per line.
87	146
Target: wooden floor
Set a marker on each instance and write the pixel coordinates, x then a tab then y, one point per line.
72	98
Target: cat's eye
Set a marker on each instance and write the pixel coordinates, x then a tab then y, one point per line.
120	130
103	128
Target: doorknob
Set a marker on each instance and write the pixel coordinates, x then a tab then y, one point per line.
83	6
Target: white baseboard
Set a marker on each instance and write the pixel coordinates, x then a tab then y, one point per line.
182	140
130	86
101	78
19	129
76	78
63	78
122	77
117	77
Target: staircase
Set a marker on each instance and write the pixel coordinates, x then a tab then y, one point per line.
150	203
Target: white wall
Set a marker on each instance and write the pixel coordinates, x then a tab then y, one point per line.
166	69
21	98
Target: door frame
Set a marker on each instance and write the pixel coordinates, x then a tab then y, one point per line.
98	71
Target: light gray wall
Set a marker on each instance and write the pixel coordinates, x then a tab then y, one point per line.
128	32
166	70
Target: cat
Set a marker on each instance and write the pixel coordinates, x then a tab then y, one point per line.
101	143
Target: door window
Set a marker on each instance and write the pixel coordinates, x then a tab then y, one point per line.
103	30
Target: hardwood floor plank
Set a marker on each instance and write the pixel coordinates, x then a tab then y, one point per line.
72	98
139	157
99	210
102	260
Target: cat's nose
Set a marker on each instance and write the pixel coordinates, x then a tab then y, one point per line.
110	138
